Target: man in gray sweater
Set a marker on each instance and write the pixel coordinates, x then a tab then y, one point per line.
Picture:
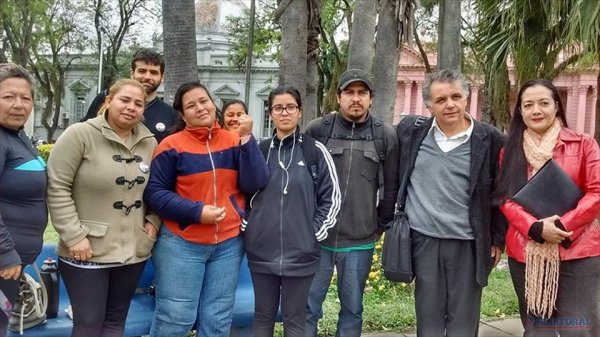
447	169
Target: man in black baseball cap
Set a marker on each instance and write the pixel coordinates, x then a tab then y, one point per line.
365	151
355	75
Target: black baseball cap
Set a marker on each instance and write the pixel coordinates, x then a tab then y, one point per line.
355	75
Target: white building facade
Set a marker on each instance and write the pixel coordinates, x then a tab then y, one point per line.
213	45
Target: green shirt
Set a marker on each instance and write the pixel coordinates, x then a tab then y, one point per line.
350	249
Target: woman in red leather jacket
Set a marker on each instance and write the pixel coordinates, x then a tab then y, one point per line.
555	261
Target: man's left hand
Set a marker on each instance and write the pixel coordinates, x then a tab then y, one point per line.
496	254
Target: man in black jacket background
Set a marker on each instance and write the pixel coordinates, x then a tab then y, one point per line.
147	67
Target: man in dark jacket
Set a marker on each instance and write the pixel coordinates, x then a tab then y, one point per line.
447	169
365	153
148	68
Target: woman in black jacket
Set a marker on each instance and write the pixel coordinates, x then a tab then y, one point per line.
23	212
288	217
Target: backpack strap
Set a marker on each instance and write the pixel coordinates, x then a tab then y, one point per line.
377	132
311	157
326	128
380	148
416	121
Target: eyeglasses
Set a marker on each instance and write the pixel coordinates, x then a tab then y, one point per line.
290	109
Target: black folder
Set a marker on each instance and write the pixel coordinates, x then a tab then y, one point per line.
550	191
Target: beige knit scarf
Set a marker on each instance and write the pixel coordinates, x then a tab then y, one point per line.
542	260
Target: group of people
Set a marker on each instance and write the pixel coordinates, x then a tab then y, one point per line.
138	178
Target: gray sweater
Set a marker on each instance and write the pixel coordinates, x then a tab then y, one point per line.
437	201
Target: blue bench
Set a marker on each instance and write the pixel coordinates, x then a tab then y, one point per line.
141	311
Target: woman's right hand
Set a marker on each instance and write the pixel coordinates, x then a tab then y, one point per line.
551	233
212	214
81	251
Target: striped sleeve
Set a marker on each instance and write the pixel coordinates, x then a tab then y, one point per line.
328	194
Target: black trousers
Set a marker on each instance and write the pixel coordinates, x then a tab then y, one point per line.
577	312
10	288
100	298
447	295
294	294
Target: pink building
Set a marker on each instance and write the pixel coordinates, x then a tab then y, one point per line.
578	92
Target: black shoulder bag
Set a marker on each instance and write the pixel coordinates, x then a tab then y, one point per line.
396	256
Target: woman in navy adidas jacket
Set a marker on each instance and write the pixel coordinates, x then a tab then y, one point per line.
288	217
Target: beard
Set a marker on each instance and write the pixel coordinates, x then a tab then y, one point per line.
151	89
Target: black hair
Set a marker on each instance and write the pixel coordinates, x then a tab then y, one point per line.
284	89
178	102
148	56
232	102
513	171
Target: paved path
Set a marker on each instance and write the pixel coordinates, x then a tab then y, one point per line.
503	328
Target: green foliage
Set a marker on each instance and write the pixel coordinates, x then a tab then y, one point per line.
50	234
267	36
44	150
583	25
529	33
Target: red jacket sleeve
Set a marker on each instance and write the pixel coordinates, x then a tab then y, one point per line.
588	207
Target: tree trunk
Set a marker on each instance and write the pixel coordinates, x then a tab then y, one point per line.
179	44
47	112
449	42
362	44
294	35
387	51
311	105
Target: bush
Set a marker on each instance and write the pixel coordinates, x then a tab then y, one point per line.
44	151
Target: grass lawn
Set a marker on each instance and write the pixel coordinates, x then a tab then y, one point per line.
50	235
391	307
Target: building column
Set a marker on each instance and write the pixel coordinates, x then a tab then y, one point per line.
474	100
581	109
570	106
407	95
593	111
419	107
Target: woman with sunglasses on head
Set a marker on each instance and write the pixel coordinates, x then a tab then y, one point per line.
97	173
555	261
198	179
288	217
23	212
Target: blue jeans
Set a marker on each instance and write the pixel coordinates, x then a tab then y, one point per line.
352	272
194	282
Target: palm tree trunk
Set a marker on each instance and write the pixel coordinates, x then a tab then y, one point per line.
362	44
449	43
311	106
294	34
179	44
387	51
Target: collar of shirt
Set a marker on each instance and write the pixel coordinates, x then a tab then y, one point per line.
448	143
465	135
